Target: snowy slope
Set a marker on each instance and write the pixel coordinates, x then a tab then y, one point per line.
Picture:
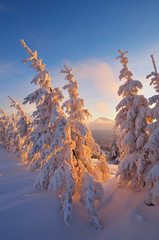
25	215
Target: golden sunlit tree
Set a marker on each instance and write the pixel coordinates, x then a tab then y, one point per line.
69	167
65	160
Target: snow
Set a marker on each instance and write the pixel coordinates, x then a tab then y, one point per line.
154	173
113	169
25	214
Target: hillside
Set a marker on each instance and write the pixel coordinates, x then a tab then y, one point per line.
25	214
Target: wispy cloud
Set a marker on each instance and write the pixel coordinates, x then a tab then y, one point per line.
98	85
97	73
101	107
7	69
2	6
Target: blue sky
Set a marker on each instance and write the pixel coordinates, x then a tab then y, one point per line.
83	34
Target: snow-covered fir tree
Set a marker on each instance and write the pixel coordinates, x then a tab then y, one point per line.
69	168
51	139
85	146
11	133
47	103
24	128
133	110
80	133
152	147
8	131
54	144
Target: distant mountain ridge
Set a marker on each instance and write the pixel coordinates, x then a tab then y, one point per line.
102	130
104	120
101	123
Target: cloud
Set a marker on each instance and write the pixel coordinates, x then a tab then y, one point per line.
101	107
97	73
98	85
8	69
2	7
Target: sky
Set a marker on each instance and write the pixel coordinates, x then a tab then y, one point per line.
85	35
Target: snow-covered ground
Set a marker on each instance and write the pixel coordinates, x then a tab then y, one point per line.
25	215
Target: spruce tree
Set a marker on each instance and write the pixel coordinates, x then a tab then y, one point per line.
133	110
152	147
24	129
69	168
81	134
11	142
46	111
85	146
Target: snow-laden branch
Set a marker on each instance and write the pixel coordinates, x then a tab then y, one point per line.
154	75
16	105
3	112
42	79
32	54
